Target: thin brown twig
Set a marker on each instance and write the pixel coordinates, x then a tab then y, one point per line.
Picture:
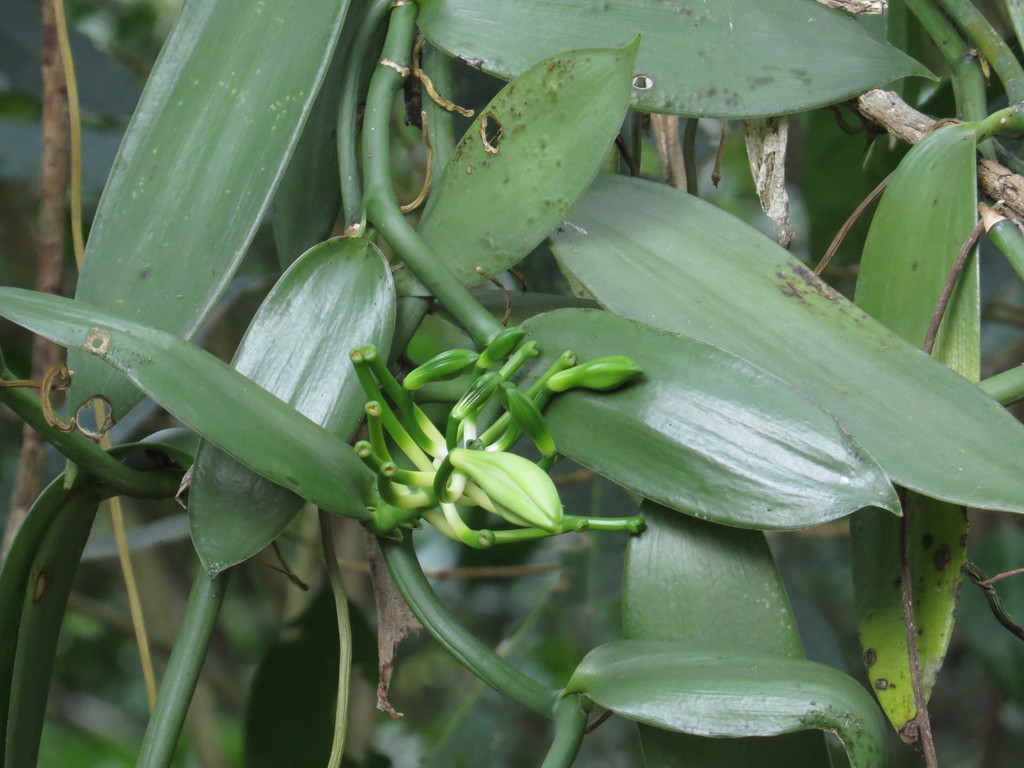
53	181
508	299
995	603
631	165
1000	577
716	172
284	568
845	229
427	177
905	123
950	284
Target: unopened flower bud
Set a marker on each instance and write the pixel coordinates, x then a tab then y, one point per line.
521	492
527	416
476	397
500	346
601	373
441	367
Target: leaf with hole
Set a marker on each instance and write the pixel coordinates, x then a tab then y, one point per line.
742	58
526	159
232	412
218	120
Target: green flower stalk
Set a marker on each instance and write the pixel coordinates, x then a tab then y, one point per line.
521	492
527	418
477	396
462	468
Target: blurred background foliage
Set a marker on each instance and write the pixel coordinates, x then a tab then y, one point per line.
266	688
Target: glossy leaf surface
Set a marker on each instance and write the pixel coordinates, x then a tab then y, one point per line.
702	431
337	296
733	694
526	159
923	219
666	258
711	586
244	419
742	58
217	122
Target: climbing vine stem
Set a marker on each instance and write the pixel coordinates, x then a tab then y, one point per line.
404	567
379	198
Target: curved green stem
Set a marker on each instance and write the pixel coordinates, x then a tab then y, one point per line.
1007	387
90	458
356	65
440	122
381	204
344	640
570	725
968	78
990	43
401	561
182	672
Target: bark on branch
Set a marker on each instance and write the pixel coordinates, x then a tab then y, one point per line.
907	124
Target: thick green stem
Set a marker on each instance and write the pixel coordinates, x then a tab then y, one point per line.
440	122
992	46
1007	387
382	205
182	672
88	455
968	78
356	66
570	725
400	558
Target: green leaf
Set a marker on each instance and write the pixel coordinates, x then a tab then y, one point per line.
660	256
923	219
730	693
925	216
937	536
742	58
219	403
526	159
336	297
218	119
308	197
1015	8
704	585
703	431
